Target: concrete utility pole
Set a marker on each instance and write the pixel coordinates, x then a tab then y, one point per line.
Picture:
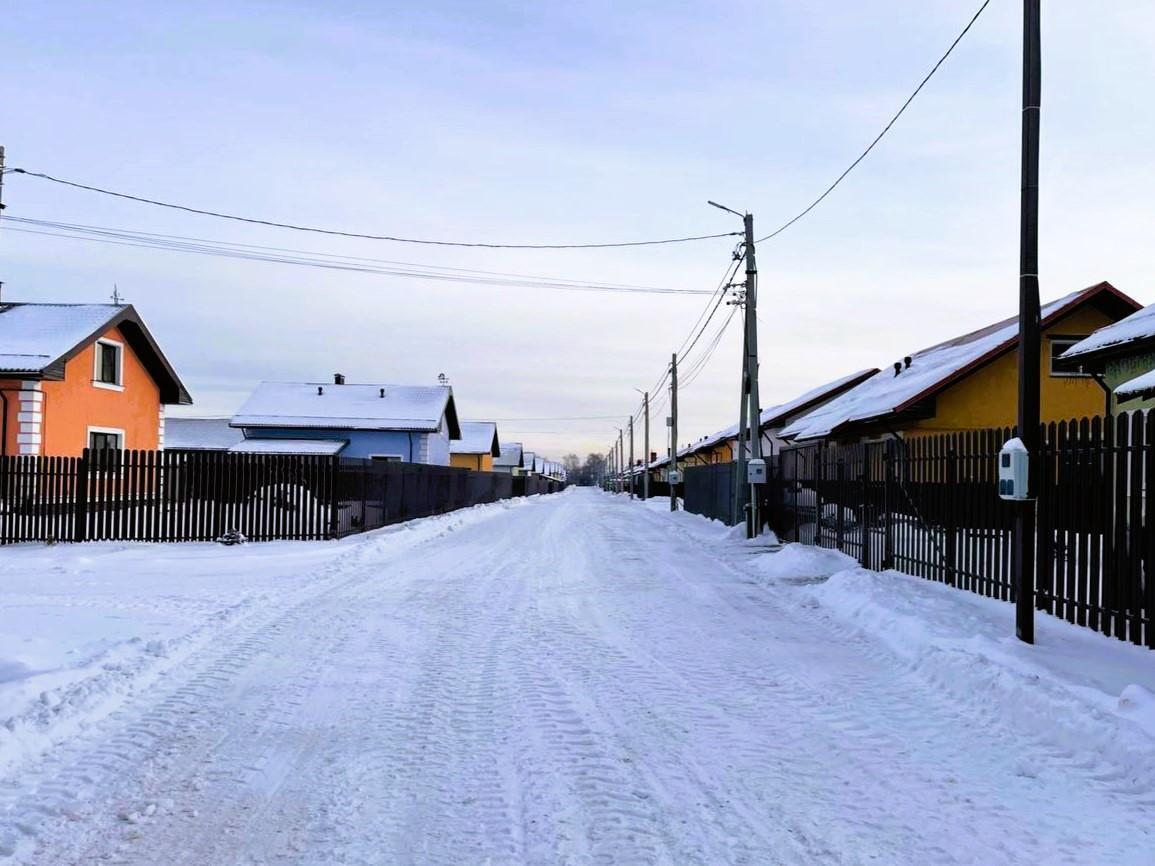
673	464
740	446
646	443
631	470
1023	561
755	409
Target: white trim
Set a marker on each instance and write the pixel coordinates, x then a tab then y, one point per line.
30	418
108	386
24	438
33	417
115	430
29	385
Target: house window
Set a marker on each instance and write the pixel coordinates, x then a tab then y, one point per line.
1058	346
105	440
109	364
385	458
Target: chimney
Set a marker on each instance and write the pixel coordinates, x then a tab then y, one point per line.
338	378
320	390
897	367
906	362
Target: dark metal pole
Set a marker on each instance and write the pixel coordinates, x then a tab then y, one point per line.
646	445
1029	326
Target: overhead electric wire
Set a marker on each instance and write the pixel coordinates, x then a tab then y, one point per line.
701	363
361	235
328	262
885	129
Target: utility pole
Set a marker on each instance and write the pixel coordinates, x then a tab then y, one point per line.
646	443
631	470
673	464
740	442
754	428
1029	326
1	197
621	461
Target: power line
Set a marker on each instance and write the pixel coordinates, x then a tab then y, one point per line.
362	235
885	129
327	262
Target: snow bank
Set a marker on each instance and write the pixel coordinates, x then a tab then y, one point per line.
1103	690
801	563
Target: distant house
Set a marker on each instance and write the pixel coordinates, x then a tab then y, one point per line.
1122	357
528	463
201	434
477	447
970	382
509	460
76	376
410	423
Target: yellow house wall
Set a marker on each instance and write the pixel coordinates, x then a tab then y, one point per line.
476	462
989	398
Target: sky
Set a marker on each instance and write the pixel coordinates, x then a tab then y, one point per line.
569	123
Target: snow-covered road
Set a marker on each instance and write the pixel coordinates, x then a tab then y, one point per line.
578	680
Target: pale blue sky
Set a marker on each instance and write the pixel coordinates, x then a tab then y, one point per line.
569	122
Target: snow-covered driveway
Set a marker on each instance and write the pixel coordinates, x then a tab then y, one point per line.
577	680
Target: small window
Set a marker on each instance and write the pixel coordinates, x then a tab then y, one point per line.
385	458
1058	346
99	440
108	365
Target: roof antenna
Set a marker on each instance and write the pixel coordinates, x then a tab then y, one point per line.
116	298
442	378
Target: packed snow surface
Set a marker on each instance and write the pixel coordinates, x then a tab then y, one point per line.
572	679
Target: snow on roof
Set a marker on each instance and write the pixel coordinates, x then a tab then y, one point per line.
306	447
885	393
510	455
783	411
1140	387
32	336
345	407
477	437
1140	325
200	434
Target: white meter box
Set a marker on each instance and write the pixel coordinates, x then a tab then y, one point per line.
756	471
1014	465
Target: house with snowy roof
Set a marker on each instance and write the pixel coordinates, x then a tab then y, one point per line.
528	463
1121	356
201	434
722	446
409	423
509	460
971	382
76	376
477	448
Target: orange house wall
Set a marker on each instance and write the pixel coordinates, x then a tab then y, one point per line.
74	404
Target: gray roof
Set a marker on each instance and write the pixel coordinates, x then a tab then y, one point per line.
200	434
511	455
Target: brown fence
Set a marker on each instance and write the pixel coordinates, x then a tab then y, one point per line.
929	506
199	496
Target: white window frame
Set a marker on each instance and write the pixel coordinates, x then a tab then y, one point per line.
388	458
1069	341
108	386
115	431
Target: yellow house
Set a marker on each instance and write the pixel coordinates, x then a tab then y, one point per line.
971	381
476	448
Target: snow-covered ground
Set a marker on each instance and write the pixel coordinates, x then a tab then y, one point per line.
567	679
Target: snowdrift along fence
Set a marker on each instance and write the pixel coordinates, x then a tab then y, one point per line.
198	496
929	506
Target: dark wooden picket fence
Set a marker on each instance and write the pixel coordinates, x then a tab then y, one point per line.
199	496
928	506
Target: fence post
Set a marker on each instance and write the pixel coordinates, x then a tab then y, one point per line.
839	498
950	521
80	511
866	510
888	505
332	489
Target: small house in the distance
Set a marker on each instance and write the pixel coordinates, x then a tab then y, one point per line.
76	376
410	423
1121	356
477	447
510	459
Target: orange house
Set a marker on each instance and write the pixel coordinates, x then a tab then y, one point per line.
477	447
76	376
